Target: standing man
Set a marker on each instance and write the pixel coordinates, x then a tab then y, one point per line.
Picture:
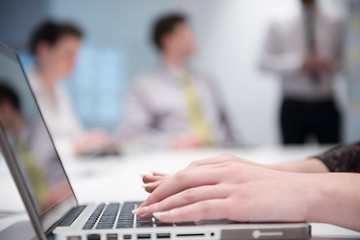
175	106
305	50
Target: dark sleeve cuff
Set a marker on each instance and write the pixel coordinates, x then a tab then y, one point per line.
342	158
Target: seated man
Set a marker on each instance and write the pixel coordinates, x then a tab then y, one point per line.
55	46
175	106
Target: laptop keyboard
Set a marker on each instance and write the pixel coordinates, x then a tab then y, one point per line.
113	215
94	217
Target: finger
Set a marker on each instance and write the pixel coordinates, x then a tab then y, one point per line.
205	210
183	180
186	197
158	174
220	159
151	178
150	187
202	162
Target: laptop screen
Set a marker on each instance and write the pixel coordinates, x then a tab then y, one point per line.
30	144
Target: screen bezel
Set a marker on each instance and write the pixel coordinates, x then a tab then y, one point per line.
16	170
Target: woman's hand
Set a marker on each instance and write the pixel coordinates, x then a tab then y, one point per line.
154	180
228	188
151	182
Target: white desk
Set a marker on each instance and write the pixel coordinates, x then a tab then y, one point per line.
117	178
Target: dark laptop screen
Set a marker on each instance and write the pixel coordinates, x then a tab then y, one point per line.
30	143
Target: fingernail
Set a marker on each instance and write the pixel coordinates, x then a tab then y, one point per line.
144	185
135	211
140	211
157	215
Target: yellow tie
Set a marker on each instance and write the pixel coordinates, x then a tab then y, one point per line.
35	175
197	119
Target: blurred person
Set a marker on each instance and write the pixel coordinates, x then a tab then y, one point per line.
322	189
175	106
27	141
55	46
306	51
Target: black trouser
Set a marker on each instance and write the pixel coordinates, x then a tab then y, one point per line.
301	119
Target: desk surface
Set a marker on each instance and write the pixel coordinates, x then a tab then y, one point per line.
87	174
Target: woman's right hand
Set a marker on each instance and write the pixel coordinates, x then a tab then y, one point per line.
151	182
230	188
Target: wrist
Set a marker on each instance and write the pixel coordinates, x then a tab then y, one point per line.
312	165
317	197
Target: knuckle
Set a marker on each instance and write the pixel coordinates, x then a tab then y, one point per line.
189	195
241	214
226	156
155	207
180	176
153	197
228	159
178	214
197	163
193	164
204	208
229	213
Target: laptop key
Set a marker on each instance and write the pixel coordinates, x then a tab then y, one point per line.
107	219
144	224
126	218
160	224
124	226
144	236
185	224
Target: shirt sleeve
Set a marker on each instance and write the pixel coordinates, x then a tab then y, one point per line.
139	119
275	58
342	158
75	126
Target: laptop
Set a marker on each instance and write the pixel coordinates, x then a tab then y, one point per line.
51	202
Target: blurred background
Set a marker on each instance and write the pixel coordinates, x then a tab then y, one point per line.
230	39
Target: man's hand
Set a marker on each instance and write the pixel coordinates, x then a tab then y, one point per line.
314	63
92	141
189	140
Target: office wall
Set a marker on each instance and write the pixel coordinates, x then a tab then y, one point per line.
18	18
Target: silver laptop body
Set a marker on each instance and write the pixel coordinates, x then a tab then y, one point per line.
49	198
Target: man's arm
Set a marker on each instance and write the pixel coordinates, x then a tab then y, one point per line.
138	117
274	58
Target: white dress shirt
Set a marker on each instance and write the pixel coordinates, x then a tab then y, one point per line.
56	109
156	110
285	50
